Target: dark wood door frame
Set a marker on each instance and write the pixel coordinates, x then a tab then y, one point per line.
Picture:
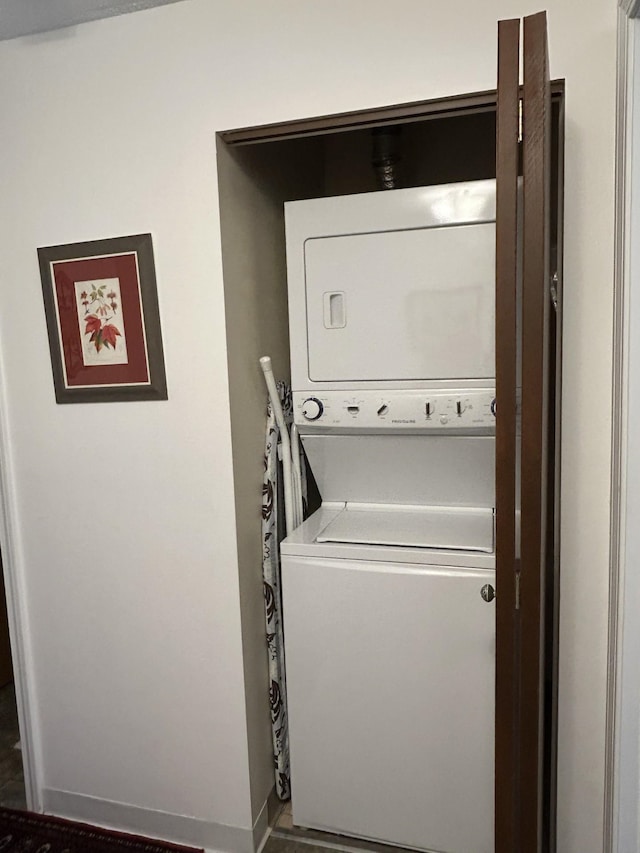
416	111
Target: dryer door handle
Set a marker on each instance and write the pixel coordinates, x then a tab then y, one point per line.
334	309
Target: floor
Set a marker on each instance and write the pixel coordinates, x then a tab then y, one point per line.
275	844
287	838
12	794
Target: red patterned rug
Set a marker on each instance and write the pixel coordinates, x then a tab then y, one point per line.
25	832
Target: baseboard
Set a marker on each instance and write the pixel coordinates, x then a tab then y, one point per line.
266	819
274	806
169	827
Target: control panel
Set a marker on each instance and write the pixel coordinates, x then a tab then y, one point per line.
470	410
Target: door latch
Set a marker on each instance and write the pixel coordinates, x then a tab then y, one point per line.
487	592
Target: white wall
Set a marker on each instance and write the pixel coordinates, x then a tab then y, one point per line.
628	747
125	512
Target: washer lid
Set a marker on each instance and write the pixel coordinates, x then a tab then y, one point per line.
453	528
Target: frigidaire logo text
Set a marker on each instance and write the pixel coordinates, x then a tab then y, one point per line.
403	421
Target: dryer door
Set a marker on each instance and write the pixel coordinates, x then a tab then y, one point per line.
414	304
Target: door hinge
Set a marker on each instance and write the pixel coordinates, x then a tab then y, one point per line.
520	120
553	289
517	590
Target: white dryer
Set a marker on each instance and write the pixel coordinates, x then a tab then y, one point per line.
387	589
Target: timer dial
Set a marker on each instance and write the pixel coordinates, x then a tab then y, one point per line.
312	409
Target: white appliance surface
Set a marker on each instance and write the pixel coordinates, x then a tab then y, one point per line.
392	289
390	684
463	528
427	412
438	470
305	542
390	645
411	304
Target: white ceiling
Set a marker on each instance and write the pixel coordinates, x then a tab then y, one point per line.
27	17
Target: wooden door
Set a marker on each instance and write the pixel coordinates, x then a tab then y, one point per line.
522	392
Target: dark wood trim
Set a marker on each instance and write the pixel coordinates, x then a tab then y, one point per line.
553	481
535	355
359	119
362	119
506	758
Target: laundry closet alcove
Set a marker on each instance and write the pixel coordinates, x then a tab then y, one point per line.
441	141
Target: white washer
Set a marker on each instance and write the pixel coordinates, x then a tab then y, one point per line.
390	655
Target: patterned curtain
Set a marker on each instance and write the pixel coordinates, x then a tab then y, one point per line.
273	531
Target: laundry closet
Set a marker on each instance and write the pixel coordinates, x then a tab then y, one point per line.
406	476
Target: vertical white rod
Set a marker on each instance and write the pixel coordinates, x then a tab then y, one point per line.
265	364
297	474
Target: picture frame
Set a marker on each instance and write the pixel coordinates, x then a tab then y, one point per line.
103	320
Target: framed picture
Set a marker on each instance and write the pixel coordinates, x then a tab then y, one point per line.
101	304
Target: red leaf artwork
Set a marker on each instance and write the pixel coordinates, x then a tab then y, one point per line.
109	333
93	324
96	337
102	333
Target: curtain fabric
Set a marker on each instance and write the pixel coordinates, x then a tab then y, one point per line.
273	531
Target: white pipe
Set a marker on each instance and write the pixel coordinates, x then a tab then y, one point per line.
289	513
297	474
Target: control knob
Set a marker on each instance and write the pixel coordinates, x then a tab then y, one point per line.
312	409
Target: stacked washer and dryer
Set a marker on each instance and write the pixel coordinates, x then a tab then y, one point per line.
387	588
